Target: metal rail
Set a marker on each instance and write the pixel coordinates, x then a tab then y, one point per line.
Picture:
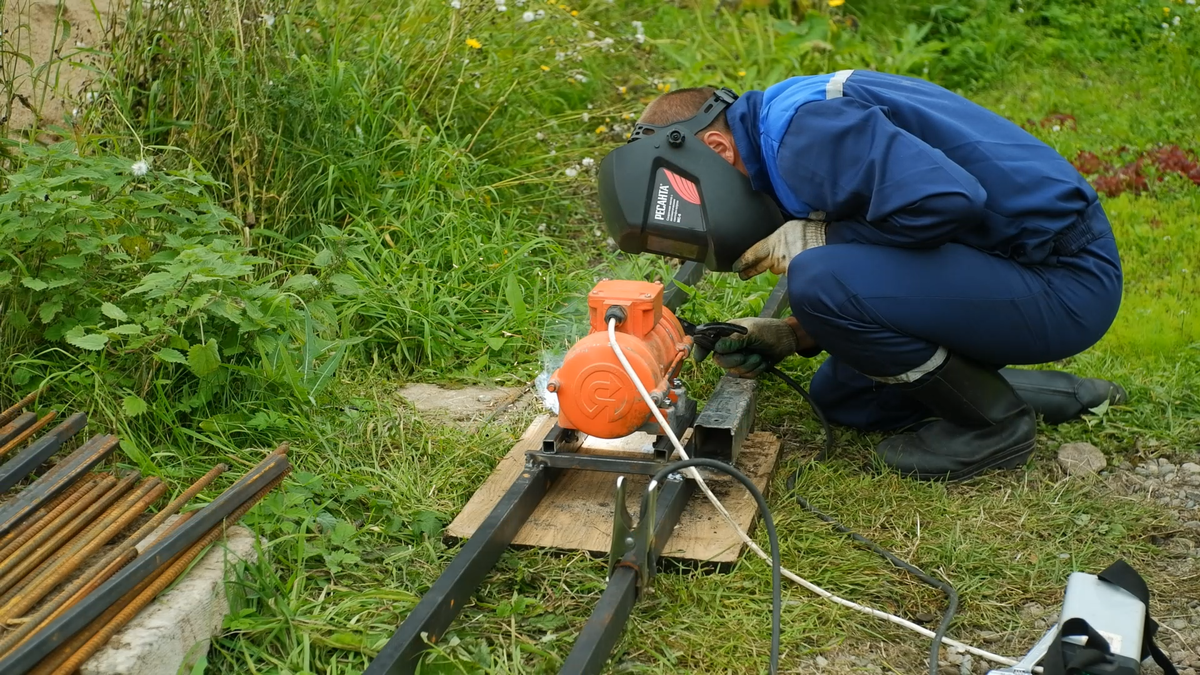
604	627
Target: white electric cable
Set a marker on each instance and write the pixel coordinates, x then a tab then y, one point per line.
612	340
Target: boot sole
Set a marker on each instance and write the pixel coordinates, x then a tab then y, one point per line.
1010	459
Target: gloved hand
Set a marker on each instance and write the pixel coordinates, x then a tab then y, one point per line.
778	248
765	343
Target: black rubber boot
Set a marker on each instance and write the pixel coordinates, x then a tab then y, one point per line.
982	424
1060	397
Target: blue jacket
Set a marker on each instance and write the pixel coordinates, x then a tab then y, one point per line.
898	161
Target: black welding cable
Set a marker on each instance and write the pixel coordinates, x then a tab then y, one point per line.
828	430
951	594
768	523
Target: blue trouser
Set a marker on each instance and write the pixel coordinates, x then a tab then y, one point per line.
888	313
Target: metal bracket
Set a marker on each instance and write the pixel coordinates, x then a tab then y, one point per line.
633	546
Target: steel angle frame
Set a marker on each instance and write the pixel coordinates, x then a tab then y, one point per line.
630	567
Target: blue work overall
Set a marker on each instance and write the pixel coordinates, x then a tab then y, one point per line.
950	229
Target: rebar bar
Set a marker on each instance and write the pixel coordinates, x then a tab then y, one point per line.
10	430
102	570
24	435
18	468
14	581
36	517
7	415
70	558
55	481
52	636
41	524
169	575
54	526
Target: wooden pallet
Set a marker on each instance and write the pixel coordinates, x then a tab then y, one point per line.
577	512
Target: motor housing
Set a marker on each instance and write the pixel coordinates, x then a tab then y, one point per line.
595	394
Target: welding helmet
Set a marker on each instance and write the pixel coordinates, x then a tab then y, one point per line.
666	192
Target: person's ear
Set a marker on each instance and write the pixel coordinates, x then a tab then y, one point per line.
722	144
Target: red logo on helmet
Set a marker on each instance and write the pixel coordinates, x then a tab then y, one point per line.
686	188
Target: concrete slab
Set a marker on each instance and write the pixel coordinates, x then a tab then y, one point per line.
175	629
463	406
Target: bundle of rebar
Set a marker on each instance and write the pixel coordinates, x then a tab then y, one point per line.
80	553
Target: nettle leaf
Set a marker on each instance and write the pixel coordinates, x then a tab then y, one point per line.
49	310
205	359
323	258
344	284
113	312
69	262
127	329
91	342
62	281
171	355
5	278
35	284
300	282
133	406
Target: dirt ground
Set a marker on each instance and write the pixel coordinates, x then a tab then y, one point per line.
64	39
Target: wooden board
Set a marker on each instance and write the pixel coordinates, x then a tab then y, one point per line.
577	512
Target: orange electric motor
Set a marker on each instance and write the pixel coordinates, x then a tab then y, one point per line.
595	394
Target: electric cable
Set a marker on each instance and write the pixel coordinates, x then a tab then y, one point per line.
943	586
612	341
772	536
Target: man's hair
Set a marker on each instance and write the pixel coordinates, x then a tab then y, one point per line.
682	104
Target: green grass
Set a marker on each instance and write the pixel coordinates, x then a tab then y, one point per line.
445	232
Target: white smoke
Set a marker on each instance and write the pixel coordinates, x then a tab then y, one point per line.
551	361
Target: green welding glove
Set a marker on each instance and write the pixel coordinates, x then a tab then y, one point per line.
765	343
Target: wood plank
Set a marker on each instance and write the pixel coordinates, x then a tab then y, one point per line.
577	512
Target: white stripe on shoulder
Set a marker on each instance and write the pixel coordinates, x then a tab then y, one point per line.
834	88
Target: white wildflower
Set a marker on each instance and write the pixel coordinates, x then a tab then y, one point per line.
572	172
588	161
455	4
140	167
1176	20
640	38
585	117
540	136
591	34
268	19
542	227
527	17
1165	26
541	14
501	8
1056	127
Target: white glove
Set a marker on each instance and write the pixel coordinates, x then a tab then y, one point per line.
777	250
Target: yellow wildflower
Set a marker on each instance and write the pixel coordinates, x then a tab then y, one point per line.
545	67
574	12
571	80
601	129
1166	11
836	3
473	43
741	73
621	90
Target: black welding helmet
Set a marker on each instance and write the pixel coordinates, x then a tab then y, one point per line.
666	192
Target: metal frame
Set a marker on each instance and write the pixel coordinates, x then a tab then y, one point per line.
635	551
